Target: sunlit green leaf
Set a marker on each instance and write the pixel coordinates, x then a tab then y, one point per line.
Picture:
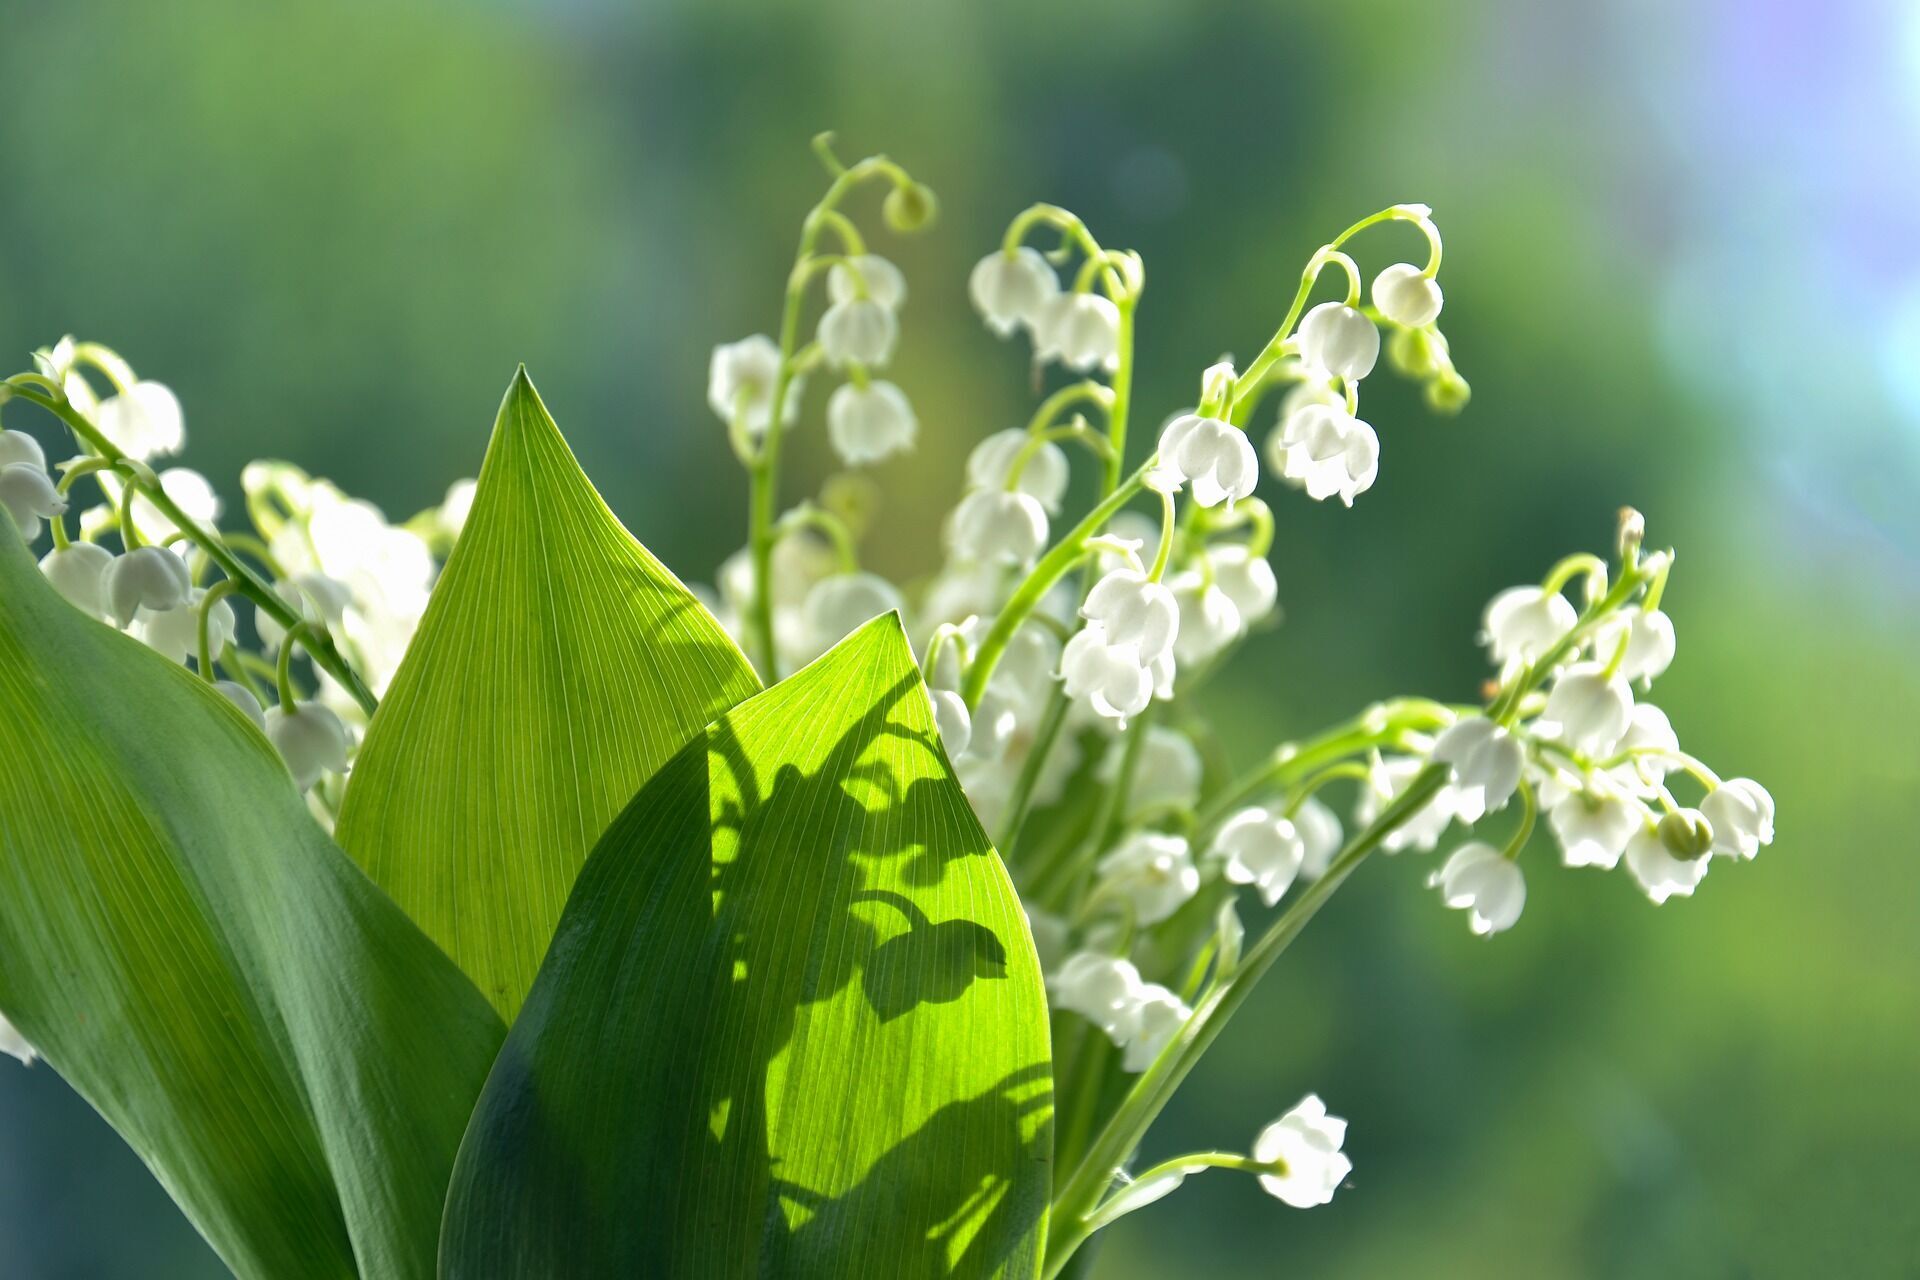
290	1055
558	666
791	1025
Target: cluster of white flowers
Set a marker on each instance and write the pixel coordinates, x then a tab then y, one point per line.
335	561
1567	734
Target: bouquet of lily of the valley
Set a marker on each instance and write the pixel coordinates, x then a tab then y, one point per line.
470	897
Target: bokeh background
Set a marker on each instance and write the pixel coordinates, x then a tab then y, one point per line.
1683	271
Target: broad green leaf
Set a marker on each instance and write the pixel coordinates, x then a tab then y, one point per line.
558	666
791	1024
290	1055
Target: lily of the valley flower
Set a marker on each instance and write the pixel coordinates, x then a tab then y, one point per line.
310	739
869	423
1044	477
150	578
1304	1148
15	1045
1158	1016
740	382
1103	989
176	632
1012	289
143	421
1213	457
1662	873
1152	872
1134	612
880	279
1262	848
1485	758
1482	881
1589	709
1080	330
1741	812
1593	825
1326	451
18	446
242	697
29	496
858	331
994	525
76	571
1405	295
837	606
1521	623
1338	339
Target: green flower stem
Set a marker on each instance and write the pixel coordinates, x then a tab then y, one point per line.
1506	707
1272	353
832	527
1075	1205
300	633
251	584
215	594
763	471
83	467
1050	569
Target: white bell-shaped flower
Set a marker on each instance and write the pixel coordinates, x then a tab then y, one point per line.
1320	836
143	421
18	446
1663	874
15	1045
29	495
1337	338
1485	883
1215	458
881	280
740	382
1135	612
1593	824
1153	872
1650	643
190	491
869	423
952	720
1650	742
1485	758
1044	476
1404	295
1248	581
242	697
858	331
1158	1016
311	740
1081	331
838	606
993	525
1209	620
1012	289
1103	989
1521	623
1741	812
1107	677
176	632
1589	709
1326	451
1260	847
76	572
1167	774
151	578
1304	1147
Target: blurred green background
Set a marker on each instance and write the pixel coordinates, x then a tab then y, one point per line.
1682	272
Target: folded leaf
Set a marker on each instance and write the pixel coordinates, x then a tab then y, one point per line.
791	1024
289	1054
558	666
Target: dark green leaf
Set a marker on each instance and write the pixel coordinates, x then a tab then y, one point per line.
791	1025
558	666
289	1054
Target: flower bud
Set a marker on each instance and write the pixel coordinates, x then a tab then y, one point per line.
1448	393
1337	338
910	207
310	739
1686	833
1404	295
151	578
75	571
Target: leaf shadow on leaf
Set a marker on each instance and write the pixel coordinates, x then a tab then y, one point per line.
760	1061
